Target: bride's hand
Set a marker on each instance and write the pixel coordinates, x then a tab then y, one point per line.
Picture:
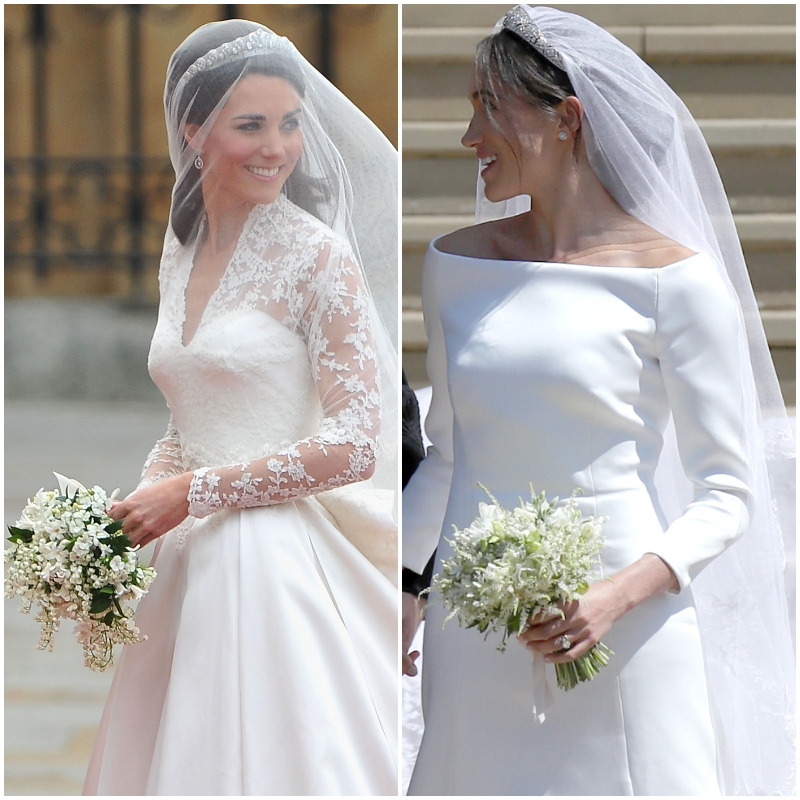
587	620
585	623
153	511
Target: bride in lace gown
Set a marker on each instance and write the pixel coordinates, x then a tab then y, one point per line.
597	331
270	661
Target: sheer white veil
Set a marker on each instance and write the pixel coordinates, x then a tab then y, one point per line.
346	175
648	151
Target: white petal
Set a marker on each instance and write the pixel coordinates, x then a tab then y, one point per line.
68	485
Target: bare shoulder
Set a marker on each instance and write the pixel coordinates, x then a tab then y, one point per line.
476	241
638	245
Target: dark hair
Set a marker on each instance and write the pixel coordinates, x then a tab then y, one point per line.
505	64
198	99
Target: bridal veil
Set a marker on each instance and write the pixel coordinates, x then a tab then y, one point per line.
346	177
650	154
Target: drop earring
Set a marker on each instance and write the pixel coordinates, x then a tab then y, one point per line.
562	135
198	162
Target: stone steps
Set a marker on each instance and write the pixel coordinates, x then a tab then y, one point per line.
443	137
779	325
768	241
484	15
776	230
757	89
651	42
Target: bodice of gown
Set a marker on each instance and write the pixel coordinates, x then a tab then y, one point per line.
564	376
241	389
275	396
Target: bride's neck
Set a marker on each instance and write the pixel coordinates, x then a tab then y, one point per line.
225	222
573	216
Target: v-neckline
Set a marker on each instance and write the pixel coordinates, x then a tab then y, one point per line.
217	288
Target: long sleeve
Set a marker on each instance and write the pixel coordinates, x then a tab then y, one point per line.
164	460
331	310
426	494
697	338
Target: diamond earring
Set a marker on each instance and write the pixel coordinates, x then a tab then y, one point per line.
562	135
198	162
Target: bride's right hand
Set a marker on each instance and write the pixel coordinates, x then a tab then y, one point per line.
154	510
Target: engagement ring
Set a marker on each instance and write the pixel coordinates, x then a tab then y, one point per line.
563	642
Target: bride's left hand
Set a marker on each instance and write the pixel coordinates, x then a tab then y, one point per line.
586	621
153	511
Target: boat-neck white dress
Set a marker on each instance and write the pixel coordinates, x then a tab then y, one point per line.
564	376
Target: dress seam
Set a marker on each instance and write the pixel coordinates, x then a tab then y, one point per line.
240	621
324	580
655	313
591	461
624	734
459	727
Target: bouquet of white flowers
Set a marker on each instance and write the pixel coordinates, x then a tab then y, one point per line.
509	566
69	556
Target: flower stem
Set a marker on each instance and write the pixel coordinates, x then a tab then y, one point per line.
570	674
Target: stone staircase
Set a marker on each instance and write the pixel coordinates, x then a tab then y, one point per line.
734	67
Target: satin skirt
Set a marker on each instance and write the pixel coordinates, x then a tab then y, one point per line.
270	666
642	726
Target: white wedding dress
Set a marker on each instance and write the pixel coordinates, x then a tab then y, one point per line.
564	376
270	666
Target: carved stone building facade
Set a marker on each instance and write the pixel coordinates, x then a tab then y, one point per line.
87	172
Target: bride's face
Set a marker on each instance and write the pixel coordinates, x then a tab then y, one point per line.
254	144
517	144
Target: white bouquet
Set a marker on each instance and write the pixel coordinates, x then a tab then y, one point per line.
69	556
509	566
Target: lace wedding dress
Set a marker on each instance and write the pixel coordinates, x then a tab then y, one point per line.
565	375
270	665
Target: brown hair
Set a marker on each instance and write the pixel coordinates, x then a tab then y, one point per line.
198	99
505	64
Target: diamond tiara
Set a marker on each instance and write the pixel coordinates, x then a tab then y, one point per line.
518	21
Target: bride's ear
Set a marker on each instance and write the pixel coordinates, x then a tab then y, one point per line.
189	132
572	114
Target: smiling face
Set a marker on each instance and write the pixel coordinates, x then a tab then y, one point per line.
254	144
516	144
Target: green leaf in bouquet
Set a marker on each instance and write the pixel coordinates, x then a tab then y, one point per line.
65	498
106	590
109	618
100	603
19	535
115	526
120	544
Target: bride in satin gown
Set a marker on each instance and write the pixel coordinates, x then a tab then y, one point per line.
270	661
582	344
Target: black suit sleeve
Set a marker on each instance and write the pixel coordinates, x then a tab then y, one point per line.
413	453
413	449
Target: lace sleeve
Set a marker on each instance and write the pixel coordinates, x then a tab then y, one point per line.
331	309
164	460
